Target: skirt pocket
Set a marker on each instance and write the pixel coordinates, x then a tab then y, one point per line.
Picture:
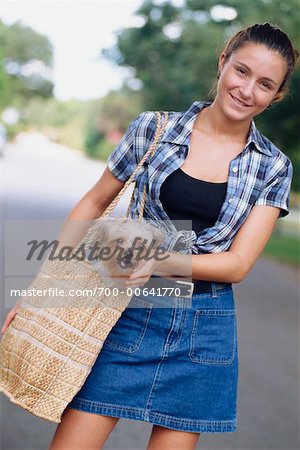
127	335
213	338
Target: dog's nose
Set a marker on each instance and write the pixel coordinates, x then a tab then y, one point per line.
126	258
128	254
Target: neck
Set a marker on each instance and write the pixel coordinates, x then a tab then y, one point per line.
213	121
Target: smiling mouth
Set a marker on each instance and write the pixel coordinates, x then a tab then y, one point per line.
238	102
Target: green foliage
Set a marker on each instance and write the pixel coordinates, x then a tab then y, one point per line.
100	149
5	86
296	166
62	122
51	112
25	64
173	55
113	112
118	108
284	248
22	44
176	69
93	138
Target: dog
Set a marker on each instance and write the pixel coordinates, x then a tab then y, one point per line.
124	246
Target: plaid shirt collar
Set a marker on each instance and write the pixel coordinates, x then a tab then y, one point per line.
180	133
254	178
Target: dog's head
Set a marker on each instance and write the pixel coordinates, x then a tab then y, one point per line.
126	244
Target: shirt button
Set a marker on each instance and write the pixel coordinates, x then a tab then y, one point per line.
235	169
230	200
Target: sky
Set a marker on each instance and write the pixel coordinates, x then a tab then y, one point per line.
77	30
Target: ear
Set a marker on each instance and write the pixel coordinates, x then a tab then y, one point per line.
279	96
222	60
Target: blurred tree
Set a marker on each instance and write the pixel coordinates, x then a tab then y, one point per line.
112	113
26	62
117	108
164	59
175	52
4	84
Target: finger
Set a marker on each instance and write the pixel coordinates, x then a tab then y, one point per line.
9	318
144	272
3	330
135	276
6	323
5	326
137	282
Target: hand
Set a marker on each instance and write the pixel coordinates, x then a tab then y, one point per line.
10	316
142	274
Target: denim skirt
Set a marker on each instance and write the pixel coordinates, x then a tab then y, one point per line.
169	361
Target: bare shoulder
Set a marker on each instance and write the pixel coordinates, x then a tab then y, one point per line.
253	235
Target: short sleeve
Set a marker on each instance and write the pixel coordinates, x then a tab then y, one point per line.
122	160
277	190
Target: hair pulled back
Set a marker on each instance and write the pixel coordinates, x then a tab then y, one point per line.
274	39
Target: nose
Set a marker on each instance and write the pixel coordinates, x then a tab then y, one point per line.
128	254
246	89
126	259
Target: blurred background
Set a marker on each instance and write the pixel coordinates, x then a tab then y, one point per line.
73	74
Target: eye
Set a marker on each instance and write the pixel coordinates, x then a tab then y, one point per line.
119	241
241	70
267	85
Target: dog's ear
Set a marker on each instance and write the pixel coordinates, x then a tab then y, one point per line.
101	230
157	233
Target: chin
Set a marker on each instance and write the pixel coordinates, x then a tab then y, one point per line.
233	113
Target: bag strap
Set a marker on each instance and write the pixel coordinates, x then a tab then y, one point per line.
144	195
160	128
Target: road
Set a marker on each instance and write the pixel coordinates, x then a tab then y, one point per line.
41	180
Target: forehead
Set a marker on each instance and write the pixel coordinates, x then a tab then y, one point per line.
261	59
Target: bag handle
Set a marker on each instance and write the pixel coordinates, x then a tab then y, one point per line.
160	128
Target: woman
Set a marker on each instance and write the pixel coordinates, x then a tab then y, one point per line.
177	367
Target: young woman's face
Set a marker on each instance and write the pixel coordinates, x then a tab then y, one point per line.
249	80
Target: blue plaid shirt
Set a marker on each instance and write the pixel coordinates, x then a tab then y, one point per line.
260	175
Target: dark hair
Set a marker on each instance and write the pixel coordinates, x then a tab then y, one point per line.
273	38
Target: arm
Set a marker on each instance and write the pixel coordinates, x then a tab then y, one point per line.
231	266
90	207
120	165
249	242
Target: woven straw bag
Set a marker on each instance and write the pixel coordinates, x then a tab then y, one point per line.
48	350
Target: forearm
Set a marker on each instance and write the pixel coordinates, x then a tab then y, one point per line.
78	221
224	267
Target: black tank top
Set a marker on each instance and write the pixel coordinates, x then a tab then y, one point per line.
187	198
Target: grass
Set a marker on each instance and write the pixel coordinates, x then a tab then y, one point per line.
284	248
